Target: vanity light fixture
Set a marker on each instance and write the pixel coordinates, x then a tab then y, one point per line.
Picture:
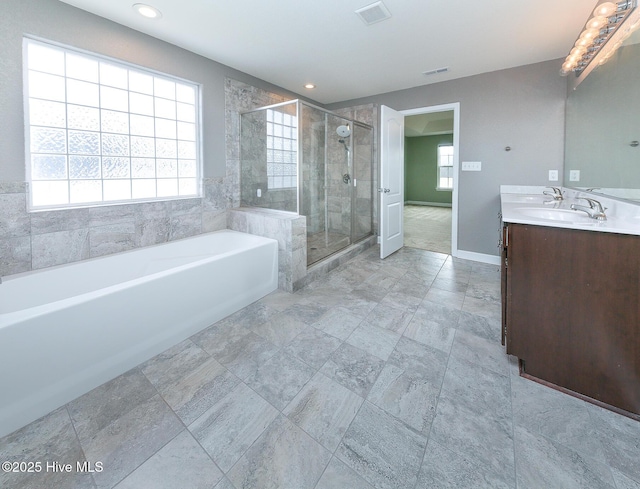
309	86
147	11
606	20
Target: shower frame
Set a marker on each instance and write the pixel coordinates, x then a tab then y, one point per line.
351	164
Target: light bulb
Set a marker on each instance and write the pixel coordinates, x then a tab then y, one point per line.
578	50
583	42
589	34
596	22
605	9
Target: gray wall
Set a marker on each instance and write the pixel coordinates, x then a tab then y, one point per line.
60	22
522	108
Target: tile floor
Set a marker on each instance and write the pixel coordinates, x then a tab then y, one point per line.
380	375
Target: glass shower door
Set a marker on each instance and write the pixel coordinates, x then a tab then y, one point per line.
326	182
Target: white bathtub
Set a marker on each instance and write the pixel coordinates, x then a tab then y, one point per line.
68	329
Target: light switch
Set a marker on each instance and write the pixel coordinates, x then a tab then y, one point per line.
471	166
553	175
574	175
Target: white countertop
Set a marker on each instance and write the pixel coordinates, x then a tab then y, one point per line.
528	205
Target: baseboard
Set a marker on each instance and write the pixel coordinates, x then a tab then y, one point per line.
479	257
430	204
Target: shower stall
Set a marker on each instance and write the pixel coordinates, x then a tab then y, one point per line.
297	157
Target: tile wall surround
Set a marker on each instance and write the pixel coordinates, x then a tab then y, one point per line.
36	240
288	229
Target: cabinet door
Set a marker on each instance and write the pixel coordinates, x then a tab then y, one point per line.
574	310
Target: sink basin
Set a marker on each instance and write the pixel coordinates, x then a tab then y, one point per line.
562	215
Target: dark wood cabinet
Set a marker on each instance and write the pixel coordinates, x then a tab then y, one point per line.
571	311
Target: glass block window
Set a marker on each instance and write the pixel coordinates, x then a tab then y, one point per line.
445	167
282	148
99	131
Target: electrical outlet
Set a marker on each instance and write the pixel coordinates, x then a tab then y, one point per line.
553	175
574	175
259	192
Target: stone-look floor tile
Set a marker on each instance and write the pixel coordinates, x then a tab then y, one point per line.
48	439
307	312
324	409
411	355
252	315
374	340
218	336
486	328
105	404
414	286
338	476
382	450
382	279
313	347
543	463
487	391
432	333
280	329
244	354
620	439
485	291
280	379
406	395
353	368
131	439
442	283
444	469
280	300
401	300
284	456
438	313
557	416
481	307
388	317
338	322
624	482
453	300
198	390
173	364
369	292
180	463
467	430
231	426
482	352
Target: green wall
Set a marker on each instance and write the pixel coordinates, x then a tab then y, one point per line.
421	169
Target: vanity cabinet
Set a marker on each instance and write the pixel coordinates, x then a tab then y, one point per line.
571	311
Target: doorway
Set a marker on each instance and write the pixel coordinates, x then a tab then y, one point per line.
431	170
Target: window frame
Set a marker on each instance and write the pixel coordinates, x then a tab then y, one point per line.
440	166
193	181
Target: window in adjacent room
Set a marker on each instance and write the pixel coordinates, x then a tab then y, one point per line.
101	131
282	148
445	167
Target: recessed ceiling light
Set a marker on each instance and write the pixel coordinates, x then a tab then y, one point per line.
147	11
309	86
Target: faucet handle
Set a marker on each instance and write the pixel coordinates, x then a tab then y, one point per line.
594	204
557	193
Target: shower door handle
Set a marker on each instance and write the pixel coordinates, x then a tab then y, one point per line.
385	190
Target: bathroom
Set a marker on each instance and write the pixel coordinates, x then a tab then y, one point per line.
492	105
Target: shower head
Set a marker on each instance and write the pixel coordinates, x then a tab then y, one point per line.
344	131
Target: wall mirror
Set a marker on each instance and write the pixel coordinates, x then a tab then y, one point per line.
602	135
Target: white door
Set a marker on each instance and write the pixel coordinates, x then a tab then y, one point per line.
391	181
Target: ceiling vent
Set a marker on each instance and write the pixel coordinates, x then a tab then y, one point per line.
437	71
376	12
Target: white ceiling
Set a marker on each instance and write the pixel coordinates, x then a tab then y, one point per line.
293	42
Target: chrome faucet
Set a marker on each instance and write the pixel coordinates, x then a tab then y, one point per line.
557	193
595	209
